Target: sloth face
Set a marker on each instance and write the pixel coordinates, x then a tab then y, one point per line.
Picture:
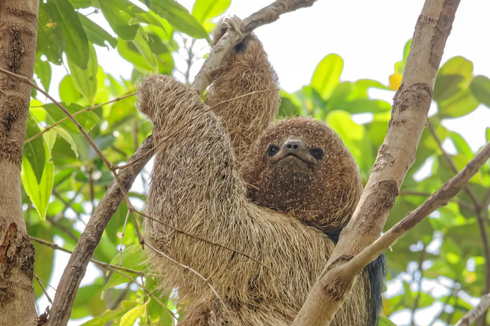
301	167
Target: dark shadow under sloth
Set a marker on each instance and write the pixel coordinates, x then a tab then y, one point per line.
279	192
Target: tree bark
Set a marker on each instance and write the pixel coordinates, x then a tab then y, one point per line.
18	32
395	156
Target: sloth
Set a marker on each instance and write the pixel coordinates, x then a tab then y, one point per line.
279	192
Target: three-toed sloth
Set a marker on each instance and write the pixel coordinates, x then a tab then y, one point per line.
279	192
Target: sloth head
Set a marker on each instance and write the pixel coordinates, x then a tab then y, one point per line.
301	167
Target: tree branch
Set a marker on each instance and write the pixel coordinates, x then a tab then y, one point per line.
476	312
395	156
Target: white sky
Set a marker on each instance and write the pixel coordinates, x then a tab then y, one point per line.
369	35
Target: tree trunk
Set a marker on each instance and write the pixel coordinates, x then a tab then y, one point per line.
18	31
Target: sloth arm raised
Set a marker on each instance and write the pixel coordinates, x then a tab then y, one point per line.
196	187
244	93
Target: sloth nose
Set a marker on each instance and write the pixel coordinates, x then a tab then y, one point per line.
293	146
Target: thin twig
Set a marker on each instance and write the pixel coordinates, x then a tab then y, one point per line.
122	239
161	253
65	111
446	303
204	240
146	290
54	246
48	128
428	194
419	293
43	288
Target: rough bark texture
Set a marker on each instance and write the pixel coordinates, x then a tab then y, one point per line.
77	265
18	27
395	157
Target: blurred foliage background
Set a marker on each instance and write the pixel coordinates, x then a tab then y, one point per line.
437	270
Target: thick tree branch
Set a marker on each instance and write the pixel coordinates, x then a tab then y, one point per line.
395	156
92	234
476	312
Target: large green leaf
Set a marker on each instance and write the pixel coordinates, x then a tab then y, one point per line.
86	79
50	39
206	10
458	105
145	50
42	69
87	119
480	87
95	33
68	90
38	191
34	150
354	137
179	18
453	77
119	15
327	74
77	48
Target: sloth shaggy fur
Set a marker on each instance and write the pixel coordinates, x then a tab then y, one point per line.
207	182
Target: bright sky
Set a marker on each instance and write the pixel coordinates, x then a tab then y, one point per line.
369	35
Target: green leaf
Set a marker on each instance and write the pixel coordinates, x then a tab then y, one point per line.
144	49
77	4
118	14
86	79
179	18
354	137
77	48
95	33
133	258
66	135
50	39
38	191
480	87
206	10
458	105
454	76
130	317
68	90
87	119
327	74
34	150
461	145
111	315
43	71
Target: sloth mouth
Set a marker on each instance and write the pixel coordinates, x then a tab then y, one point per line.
293	155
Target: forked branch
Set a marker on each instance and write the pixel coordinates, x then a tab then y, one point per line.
395	156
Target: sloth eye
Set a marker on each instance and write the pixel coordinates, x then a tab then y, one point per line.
317	153
272	150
